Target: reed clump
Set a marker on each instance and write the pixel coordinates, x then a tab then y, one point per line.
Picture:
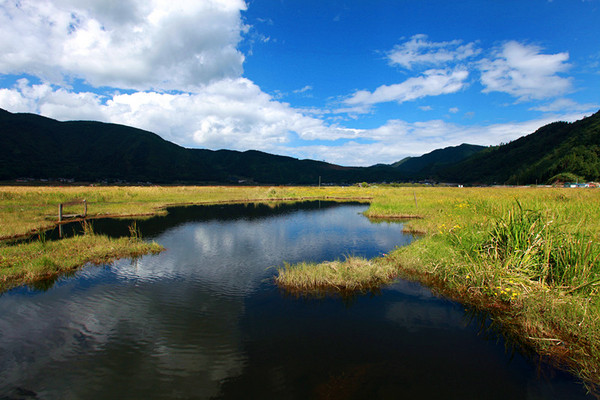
532	244
351	274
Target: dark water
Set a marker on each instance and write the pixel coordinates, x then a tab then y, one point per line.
203	320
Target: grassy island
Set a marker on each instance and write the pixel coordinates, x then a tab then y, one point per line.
352	274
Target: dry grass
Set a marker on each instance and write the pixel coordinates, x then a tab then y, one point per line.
352	274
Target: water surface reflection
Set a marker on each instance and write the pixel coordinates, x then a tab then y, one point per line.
203	320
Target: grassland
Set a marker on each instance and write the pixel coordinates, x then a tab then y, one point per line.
529	256
26	210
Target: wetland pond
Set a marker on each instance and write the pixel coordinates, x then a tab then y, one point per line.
203	319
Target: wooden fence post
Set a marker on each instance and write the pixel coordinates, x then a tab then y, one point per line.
70	203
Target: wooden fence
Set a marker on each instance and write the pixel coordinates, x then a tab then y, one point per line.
62	216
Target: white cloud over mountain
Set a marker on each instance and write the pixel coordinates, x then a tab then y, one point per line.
230	113
175	68
236	114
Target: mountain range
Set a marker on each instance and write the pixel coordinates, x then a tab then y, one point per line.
36	147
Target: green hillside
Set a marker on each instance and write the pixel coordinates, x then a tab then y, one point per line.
39	147
36	147
421	167
557	148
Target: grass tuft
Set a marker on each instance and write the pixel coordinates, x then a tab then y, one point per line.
351	274
531	244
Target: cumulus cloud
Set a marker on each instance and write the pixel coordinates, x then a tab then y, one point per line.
524	72
420	51
51	101
230	113
165	45
433	82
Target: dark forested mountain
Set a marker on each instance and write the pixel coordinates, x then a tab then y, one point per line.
554	149
32	146
423	165
37	147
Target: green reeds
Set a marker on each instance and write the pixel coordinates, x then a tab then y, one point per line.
134	231
532	244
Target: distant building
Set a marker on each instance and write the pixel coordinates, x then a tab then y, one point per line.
579	185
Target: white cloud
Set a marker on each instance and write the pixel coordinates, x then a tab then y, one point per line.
522	71
433	82
398	139
49	101
230	113
418	50
236	114
304	89
565	104
165	45
453	110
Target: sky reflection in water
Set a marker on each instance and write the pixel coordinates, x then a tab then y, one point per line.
203	319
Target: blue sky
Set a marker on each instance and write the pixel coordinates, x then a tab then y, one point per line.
349	82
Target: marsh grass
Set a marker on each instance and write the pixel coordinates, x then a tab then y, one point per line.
30	262
532	245
528	256
351	274
134	231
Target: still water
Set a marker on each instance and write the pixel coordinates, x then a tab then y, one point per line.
204	320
